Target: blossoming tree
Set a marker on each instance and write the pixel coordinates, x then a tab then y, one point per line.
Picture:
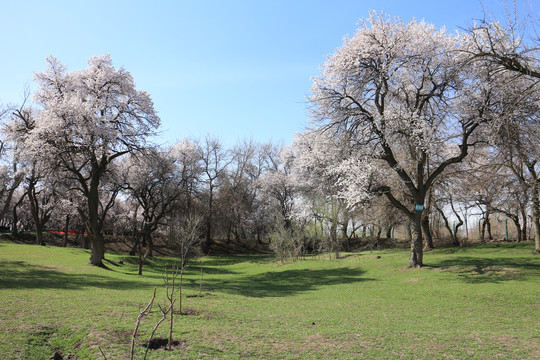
87	119
408	102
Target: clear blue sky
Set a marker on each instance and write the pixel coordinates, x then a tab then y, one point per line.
233	69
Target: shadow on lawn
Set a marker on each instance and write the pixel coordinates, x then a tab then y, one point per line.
20	275
284	283
474	269
156	265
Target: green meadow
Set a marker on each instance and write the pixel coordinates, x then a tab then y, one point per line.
479	302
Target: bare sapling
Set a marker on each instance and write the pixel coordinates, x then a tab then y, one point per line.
201	263
142	314
171	289
185	234
164	313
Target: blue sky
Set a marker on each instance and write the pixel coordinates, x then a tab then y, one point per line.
231	69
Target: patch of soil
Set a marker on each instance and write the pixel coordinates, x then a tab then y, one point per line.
188	311
200	295
161	343
122	335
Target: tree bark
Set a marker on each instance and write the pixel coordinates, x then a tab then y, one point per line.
536	214
515	219
97	250
427	233
66	231
417	256
95	234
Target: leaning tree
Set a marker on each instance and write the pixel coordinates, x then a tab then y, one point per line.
409	102
86	120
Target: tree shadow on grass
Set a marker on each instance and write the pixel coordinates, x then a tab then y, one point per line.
156	265
237	259
20	275
473	269
284	283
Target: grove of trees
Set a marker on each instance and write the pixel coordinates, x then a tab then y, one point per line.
408	125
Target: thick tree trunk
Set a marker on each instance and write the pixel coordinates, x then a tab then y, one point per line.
417	256
97	250
150	251
39	234
409	231
95	235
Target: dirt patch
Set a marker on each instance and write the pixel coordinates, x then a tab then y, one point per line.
200	295
161	343
122	336
189	311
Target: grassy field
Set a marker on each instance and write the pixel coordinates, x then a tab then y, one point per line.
480	302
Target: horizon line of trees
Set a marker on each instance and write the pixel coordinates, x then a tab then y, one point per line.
408	124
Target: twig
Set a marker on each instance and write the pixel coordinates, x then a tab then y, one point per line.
164	316
102	354
145	312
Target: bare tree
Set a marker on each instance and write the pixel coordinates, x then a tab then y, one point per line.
214	163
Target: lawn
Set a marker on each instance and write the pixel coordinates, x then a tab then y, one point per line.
479	302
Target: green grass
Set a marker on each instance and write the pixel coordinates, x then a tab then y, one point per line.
480	302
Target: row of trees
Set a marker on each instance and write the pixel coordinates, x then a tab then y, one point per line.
407	123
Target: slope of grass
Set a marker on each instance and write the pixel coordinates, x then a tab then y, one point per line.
480	302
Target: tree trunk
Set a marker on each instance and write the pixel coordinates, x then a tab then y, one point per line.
66	232
536	215
515	219
97	250
417	255
524	225
150	252
15	220
346	240
39	234
135	246
427	233
389	232
334	239
490	236
95	235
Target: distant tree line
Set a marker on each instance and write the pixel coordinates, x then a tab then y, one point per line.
408	124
